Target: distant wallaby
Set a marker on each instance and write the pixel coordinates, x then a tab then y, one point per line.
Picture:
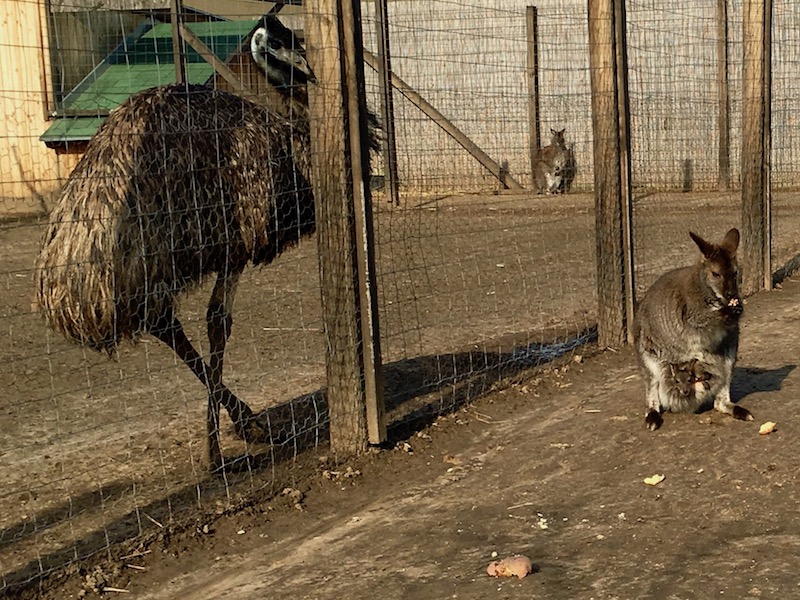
551	164
688	375
690	314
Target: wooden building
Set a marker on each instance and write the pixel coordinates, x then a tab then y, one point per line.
66	63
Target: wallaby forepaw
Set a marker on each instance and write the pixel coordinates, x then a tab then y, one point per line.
741	413
653	420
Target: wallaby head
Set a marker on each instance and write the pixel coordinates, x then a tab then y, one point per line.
683	374
719	270
557	139
687	374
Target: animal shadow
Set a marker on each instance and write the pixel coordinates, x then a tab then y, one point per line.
750	380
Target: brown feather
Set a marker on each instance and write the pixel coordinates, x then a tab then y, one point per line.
179	182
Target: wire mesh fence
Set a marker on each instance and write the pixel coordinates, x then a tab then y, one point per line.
676	72
468	59
475	283
178	184
480	286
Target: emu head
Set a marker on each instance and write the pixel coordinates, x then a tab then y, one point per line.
278	52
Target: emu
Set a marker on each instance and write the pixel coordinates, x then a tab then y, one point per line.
179	183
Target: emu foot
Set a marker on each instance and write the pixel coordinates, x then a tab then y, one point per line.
241	464
741	413
274	425
253	429
653	420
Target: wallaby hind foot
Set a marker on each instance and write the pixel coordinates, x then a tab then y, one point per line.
741	413
653	420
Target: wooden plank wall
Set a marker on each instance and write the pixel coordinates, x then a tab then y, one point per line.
30	173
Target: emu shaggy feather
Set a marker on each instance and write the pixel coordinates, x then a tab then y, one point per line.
179	182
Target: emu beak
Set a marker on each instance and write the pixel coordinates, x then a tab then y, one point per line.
294	59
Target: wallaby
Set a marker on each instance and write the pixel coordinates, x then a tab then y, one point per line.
692	313
688	375
550	164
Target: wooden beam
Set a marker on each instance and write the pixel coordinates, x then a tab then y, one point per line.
356	108
459	136
767	182
607	185
211	58
626	191
176	17
391	180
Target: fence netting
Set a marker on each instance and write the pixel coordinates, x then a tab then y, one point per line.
478	283
478	280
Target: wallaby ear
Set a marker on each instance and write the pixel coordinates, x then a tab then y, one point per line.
731	241
707	248
553	131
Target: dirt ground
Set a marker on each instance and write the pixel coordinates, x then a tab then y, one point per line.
96	452
552	468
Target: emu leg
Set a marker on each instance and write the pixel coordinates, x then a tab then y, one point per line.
170	331
219	319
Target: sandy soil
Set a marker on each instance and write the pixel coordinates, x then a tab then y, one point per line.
100	458
551	467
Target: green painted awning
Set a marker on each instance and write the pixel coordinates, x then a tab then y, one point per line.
143	61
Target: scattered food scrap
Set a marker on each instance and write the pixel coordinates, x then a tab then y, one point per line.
654	480
517	565
767	428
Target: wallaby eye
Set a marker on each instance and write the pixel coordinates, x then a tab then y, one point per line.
716	274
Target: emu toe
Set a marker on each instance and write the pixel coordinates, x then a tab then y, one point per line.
253	430
653	420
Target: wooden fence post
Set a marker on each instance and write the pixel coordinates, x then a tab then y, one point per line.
723	94
756	243
344	227
612	319
534	124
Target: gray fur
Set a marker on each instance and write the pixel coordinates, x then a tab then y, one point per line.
692	313
554	166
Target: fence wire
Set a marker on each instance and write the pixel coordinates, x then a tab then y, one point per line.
785	156
476	283
96	451
674	96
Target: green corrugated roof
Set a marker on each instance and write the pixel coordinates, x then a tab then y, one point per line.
139	63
